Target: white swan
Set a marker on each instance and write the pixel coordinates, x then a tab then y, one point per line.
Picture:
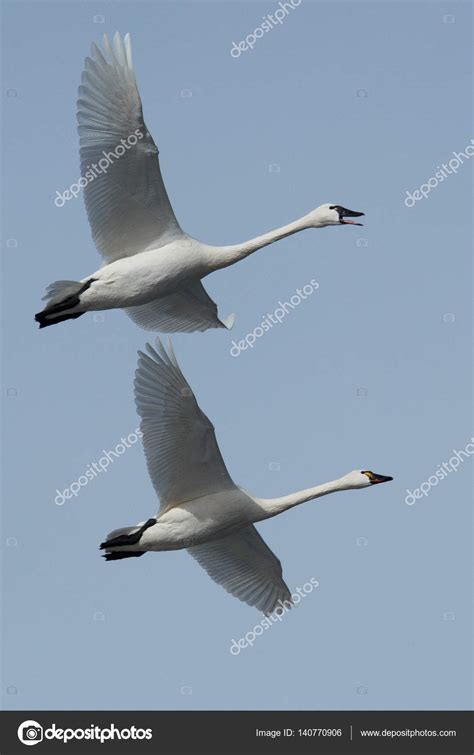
151	268
202	510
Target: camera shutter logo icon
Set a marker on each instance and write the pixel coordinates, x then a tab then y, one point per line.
30	732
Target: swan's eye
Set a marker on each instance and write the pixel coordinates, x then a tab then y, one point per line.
370	475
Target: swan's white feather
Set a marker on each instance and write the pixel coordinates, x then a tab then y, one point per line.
246	567
186	311
183	458
127	206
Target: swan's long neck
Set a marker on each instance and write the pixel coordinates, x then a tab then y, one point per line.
274	506
227	255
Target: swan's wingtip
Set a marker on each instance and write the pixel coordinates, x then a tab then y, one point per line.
229	321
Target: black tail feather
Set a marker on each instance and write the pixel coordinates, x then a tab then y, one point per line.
52	314
44	321
116	555
130	538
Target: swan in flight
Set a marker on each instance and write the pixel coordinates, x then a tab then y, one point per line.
202	509
151	268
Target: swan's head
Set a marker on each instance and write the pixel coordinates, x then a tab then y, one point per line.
362	478
333	214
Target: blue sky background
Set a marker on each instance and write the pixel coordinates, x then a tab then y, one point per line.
352	103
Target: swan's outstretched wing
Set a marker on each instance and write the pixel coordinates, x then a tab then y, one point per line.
126	200
246	567
189	309
181	450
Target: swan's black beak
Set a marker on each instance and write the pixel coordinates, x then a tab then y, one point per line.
375	479
345	213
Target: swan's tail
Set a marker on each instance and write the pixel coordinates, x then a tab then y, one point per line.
64	301
126	538
116	555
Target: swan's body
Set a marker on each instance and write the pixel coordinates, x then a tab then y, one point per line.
132	281
151	267
202	509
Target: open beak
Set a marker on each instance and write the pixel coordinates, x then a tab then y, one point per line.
345	213
377	478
